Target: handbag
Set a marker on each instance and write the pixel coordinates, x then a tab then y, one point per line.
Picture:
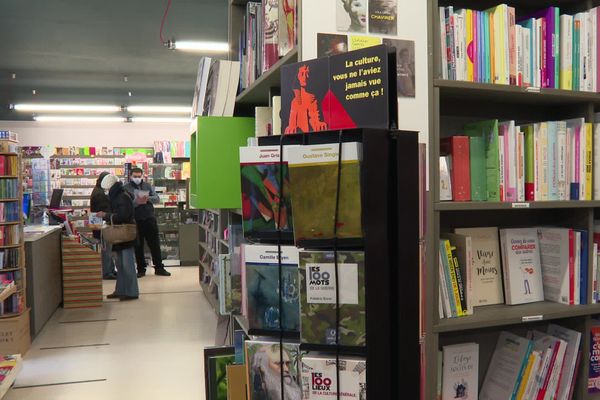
122	233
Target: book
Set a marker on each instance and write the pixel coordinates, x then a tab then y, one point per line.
464	257
263	287
319	377
288	21
573	340
263	361
445	179
521	265
263	210
456	288
550	372
594	360
264	121
457	147
270	32
488	130
508	360
486	273
557	260
313	182
318	323
477	165
221	86
460	371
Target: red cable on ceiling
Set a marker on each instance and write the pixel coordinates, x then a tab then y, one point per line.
162	22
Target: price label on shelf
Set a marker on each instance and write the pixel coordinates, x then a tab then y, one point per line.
532	318
520	205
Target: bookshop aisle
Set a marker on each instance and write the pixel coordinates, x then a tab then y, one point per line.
145	349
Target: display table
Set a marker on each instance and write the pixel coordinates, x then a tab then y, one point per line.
44	273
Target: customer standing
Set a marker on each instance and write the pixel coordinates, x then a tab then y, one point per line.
121	212
99	201
144	197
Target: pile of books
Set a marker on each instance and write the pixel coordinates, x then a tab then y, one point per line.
485	266
501	161
543	49
9	165
539	366
10	235
10	212
9	189
270	32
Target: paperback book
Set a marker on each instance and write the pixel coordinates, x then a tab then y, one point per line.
314	173
263	210
318	323
264	361
319	378
460	371
262	289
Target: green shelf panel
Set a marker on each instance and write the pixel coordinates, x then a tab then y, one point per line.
215	160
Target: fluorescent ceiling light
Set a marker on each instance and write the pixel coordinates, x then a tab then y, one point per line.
67	107
160	119
213	47
63	118
160	109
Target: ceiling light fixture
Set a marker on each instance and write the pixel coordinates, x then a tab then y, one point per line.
160	109
209	47
63	118
66	107
160	119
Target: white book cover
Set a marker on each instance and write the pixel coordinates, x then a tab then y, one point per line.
464	252
486	272
445	181
554	257
510	160
562	162
462	42
590	44
505	367
594	49
443	49
544	176
263	121
319	378
566	52
526	32
441	313
324	153
460	371
537	163
573	340
582	50
583	186
457	48
527	386
520	165
596	161
276	115
521	265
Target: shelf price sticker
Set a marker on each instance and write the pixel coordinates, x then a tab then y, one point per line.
533	89
520	205
532	318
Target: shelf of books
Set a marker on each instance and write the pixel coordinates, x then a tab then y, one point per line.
286	268
511	278
10	366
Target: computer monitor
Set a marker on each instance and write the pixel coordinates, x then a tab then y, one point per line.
56	199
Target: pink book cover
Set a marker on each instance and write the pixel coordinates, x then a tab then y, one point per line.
571	267
512	46
577	156
474	55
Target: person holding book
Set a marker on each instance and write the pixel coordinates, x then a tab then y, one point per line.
144	197
121	212
99	201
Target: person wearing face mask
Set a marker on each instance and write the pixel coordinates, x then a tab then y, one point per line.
144	197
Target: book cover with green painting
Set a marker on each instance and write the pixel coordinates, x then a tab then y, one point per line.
318	324
489	131
313	182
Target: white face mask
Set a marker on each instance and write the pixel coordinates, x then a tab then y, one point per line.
137	181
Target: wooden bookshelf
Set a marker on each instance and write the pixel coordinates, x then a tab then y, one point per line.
452	104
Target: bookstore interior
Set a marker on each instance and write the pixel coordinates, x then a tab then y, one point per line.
321	199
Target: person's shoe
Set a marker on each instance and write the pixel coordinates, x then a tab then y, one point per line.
141	274
127	298
113	296
161	272
111	277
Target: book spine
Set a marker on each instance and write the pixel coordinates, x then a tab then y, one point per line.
577	277
512	39
571	267
524	364
477	168
589	163
566	47
575	184
489	48
443	43
545	385
502	158
444	299
576	54
595	274
526	374
529	164
451	36
449	288
544	176
470	51
461	181
596	157
544	54
453	280
459	281
562	163
552	160
511	189
583	276
520	166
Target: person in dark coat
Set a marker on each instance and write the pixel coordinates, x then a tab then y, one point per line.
121	212
99	201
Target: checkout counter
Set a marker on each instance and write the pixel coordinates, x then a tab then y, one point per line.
43	267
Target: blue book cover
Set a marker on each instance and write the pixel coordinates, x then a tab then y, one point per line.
583	277
480	61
